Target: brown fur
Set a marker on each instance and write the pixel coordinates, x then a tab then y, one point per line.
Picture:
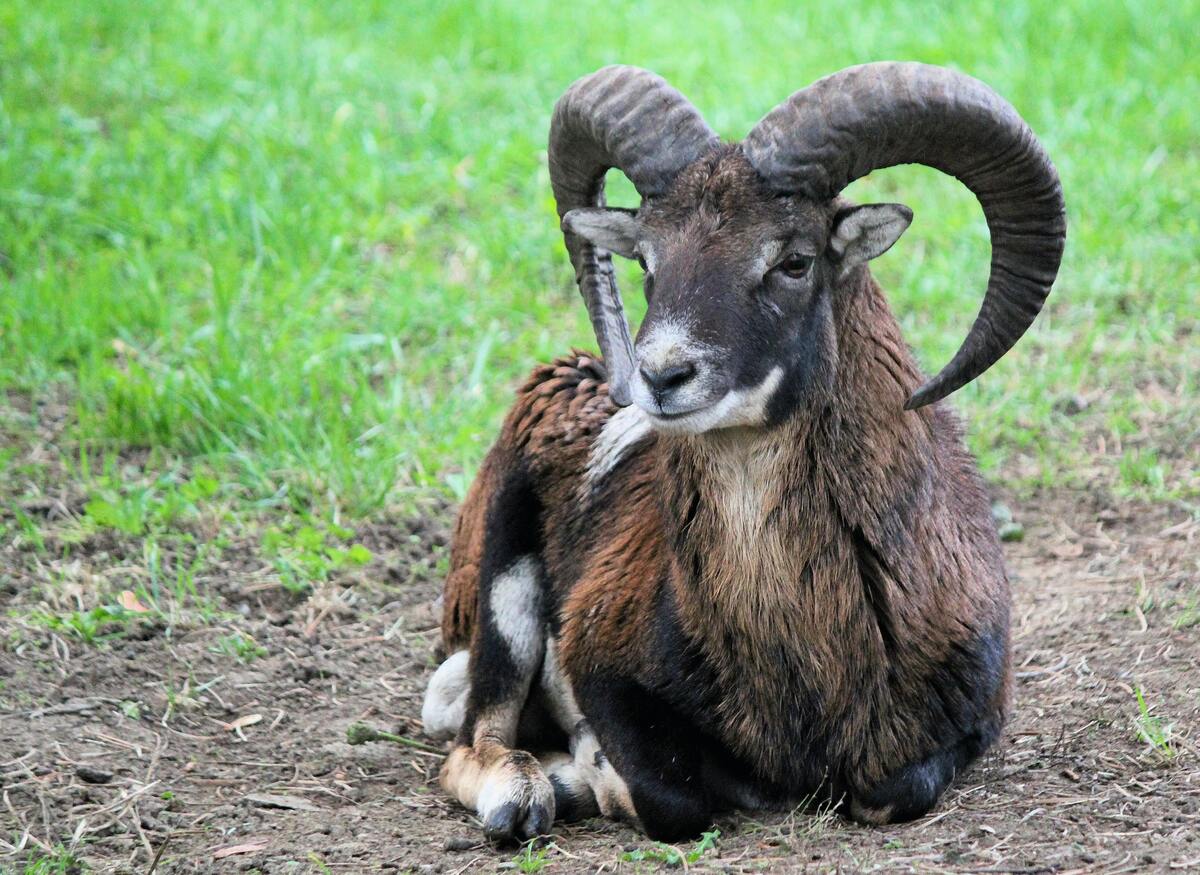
816	477
828	570
559	410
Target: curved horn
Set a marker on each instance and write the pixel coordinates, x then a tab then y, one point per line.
631	119
878	115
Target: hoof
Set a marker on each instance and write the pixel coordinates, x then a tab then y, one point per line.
517	802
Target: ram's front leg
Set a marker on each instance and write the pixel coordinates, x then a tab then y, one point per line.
643	760
506	787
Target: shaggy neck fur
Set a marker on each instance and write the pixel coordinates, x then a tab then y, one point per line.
770	532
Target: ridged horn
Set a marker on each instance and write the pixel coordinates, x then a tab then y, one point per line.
631	119
878	115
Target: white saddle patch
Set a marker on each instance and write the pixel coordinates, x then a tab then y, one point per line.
624	429
445	702
516	603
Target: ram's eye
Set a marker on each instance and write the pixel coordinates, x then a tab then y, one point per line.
796	265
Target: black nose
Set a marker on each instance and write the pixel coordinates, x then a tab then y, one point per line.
664	380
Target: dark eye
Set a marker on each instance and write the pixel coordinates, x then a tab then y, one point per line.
642	263
796	265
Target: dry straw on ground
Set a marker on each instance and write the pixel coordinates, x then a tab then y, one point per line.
157	744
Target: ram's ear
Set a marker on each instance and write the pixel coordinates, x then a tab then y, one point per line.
609	228
864	232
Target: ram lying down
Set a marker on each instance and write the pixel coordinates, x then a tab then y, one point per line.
746	560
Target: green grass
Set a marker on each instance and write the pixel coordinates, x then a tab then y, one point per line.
138	509
531	859
312	246
1152	729
306	554
239	646
58	861
670	856
92	626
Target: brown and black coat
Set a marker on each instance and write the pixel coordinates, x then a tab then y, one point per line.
775	576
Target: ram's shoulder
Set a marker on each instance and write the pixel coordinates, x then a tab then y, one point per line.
609	612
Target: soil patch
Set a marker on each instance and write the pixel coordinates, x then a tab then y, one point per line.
163	743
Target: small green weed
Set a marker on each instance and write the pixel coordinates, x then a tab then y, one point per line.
667	855
321	866
177	699
1141	470
530	859
29	531
125	513
304	555
58	861
172	576
99	624
1189	616
240	646
1153	730
1144	598
134	509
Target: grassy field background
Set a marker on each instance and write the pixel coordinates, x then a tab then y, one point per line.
269	273
309	247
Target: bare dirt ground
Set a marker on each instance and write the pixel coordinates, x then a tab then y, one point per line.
160	745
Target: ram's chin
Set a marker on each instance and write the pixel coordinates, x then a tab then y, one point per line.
736	408
693	422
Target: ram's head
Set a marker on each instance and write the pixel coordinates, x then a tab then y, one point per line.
745	246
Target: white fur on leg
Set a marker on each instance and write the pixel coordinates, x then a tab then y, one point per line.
516	603
560	698
589	765
611	792
445	702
